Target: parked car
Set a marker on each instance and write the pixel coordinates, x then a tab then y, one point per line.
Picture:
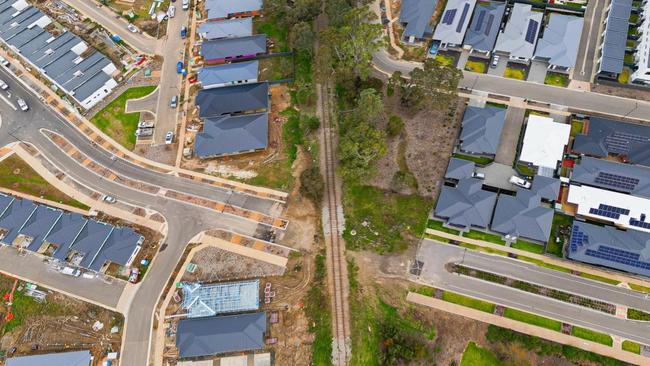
135	275
174	102
22	104
193	79
179	67
109	199
169	137
144	124
186	4
171	11
495	61
3	85
519	182
3	61
183	32
74	272
132	28
478	175
143	132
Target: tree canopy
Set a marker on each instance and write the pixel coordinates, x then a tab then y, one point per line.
433	86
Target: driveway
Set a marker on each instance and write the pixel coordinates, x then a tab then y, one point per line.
537	71
589	41
507	150
500	69
144	104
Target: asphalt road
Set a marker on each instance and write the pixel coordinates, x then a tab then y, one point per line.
184	220
436	255
115	24
586	57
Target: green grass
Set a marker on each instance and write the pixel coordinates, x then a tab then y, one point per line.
275	175
317	309
639	288
532	319
635	314
25	307
424	290
514	73
437	238
468	302
438	225
555	79
576	127
541	263
624	76
391	219
528	246
477	356
628	58
17	175
630	346
630	43
483	249
559	220
276	68
599	278
115	123
526	170
479	235
480	160
475	66
274	31
445	59
592	335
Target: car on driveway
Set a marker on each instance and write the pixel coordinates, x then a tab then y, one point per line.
143	132
179	67
22	104
519	182
495	61
169	138
171	11
145	124
183	32
3	85
3	61
135	275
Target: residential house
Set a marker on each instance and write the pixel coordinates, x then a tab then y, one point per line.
225	9
233	49
560	42
229	28
415	17
451	29
544	143
237	99
75	358
613	176
228	74
231	135
481	130
611	52
482	32
519	37
642	50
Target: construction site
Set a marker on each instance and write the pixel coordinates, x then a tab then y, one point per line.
35	321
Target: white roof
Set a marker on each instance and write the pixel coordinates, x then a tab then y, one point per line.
544	141
589	200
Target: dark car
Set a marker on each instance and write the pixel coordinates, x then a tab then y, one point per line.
179	67
183	32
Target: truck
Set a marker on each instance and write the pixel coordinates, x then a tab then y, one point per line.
69	271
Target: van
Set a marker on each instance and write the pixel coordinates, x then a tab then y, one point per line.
74	272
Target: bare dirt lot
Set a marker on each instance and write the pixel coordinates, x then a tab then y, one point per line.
57	323
214	264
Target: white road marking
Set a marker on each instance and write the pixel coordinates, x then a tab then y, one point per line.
8	102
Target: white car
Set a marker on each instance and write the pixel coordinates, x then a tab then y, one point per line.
519	182
145	124
171	11
109	199
169	137
22	104
186	4
132	28
3	61
3	85
495	61
142	132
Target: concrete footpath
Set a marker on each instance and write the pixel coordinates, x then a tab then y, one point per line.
528	329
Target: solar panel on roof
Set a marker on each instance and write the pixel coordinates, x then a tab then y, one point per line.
479	20
449	16
461	22
532	31
489	24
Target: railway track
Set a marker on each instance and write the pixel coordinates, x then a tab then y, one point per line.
332	218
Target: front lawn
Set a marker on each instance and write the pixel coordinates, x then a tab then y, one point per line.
576	127
592	335
533	319
556	79
624	76
17	175
383	220
446	59
526	170
115	123
561	228
477	356
476	66
515	73
479	235
480	160
528	246
438	225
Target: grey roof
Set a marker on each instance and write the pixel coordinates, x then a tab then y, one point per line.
459	169
53	55
237	27
483	30
616	28
96	242
466	205
228	73
605	136
233	47
232	99
607	246
561	40
213	335
614	176
522	215
454	21
227	135
416	14
519	36
218	9
481	129
77	358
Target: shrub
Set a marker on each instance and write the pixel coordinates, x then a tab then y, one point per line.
395	126
312	185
